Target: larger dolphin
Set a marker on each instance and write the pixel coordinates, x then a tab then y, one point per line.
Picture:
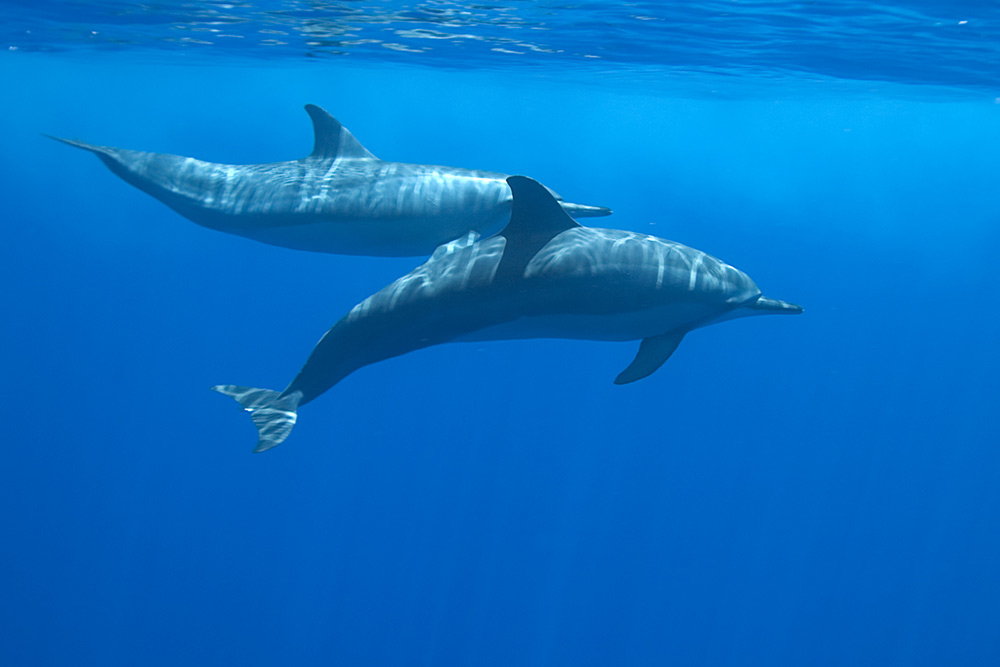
544	276
339	199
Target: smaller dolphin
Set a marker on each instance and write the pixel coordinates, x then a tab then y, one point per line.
543	276
339	199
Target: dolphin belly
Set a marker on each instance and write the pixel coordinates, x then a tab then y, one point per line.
390	237
625	326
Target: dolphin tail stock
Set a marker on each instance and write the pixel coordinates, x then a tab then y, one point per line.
273	412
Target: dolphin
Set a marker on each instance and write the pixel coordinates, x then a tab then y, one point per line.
339	199
543	276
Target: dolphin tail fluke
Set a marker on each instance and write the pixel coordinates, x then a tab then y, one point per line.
99	150
120	161
273	412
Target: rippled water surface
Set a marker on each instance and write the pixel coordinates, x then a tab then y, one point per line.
907	42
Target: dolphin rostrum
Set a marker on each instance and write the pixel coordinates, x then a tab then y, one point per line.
543	276
339	199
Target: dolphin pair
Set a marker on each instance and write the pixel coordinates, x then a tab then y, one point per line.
543	276
339	199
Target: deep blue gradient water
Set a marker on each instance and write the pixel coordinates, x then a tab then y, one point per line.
819	490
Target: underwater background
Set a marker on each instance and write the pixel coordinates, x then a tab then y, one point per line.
819	490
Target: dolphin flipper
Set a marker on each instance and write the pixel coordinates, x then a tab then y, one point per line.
653	352
273	413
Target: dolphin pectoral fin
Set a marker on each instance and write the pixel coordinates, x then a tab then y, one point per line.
333	140
652	353
273	413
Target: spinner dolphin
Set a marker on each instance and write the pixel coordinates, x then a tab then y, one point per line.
339	199
543	276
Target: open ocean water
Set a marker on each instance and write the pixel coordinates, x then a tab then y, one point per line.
818	490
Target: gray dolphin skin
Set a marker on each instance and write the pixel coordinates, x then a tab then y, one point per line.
339	199
543	276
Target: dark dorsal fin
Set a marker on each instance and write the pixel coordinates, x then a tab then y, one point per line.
535	217
333	140
534	212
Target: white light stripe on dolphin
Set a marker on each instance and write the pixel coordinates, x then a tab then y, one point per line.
543	276
339	199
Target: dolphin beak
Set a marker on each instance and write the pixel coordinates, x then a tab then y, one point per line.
584	211
774	306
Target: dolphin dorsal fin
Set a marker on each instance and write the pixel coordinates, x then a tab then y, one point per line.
333	140
535	211
535	217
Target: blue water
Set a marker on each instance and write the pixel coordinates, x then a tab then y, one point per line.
819	490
